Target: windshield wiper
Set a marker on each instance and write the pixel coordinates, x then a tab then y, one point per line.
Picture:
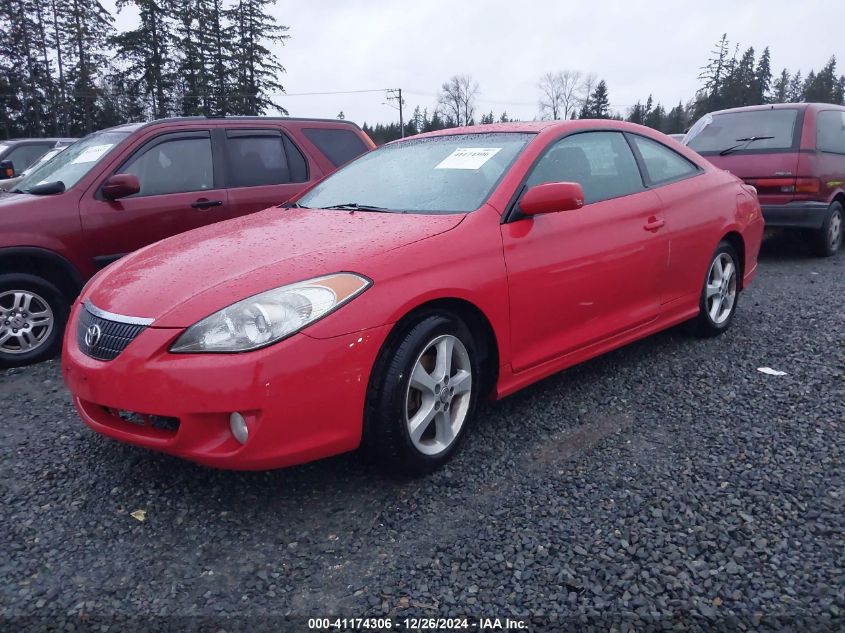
743	143
292	205
354	206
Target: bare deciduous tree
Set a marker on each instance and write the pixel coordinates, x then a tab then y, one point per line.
456	100
586	88
560	94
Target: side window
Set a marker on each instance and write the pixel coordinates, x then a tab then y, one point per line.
257	158
24	156
830	131
176	165
601	162
296	161
661	163
339	146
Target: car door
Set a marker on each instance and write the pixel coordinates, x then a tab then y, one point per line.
690	222
179	191
264	169
578	277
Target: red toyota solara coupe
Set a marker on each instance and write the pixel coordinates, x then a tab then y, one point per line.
376	308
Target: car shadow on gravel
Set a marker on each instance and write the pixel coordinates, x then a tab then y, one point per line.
786	245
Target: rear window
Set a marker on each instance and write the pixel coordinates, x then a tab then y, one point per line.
339	146
830	131
715	133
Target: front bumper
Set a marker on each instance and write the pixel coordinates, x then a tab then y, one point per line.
800	214
303	398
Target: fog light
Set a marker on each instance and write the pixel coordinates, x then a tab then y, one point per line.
238	426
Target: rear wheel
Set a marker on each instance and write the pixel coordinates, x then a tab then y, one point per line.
828	239
423	393
33	313
720	293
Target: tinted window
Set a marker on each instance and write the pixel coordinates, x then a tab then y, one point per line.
173	166
439	174
662	163
258	160
296	162
716	132
601	162
830	131
23	156
339	146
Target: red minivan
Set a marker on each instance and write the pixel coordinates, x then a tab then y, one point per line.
126	187
793	153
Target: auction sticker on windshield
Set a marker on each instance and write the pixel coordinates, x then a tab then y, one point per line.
91	154
468	157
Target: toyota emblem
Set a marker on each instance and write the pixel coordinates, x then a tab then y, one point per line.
92	335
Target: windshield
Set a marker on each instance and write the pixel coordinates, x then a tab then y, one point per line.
3	148
42	160
439	174
715	133
74	162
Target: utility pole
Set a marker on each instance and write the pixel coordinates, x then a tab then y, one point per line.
395	94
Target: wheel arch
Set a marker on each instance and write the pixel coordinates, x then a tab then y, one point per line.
734	238
475	319
43	263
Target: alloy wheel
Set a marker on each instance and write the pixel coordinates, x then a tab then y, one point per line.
721	288
437	399
26	321
834	230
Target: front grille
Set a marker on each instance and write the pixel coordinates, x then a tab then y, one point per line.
110	337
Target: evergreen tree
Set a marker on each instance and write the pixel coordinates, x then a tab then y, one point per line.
822	87
147	55
256	69
762	78
84	31
796	88
597	105
780	89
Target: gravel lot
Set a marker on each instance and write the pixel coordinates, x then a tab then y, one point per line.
668	484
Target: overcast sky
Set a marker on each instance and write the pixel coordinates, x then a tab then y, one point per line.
644	47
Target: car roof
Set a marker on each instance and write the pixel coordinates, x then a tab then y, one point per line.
535	127
132	127
18	141
782	106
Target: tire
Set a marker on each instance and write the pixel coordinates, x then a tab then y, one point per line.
395	402
828	239
40	311
714	317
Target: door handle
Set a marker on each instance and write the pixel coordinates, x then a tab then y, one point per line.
203	203
654	223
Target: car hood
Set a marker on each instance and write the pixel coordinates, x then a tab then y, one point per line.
185	278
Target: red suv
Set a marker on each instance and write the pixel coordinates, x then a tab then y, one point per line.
123	188
793	153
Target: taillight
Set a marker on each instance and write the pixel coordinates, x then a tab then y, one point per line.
807	185
786	185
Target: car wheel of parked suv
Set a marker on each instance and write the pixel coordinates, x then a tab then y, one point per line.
33	313
429	378
720	293
829	238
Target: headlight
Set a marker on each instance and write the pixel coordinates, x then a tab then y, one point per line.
269	317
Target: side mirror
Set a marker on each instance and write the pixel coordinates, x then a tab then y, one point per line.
552	197
7	170
121	186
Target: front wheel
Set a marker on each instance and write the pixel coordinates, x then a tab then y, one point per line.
720	293
33	313
829	238
423	393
